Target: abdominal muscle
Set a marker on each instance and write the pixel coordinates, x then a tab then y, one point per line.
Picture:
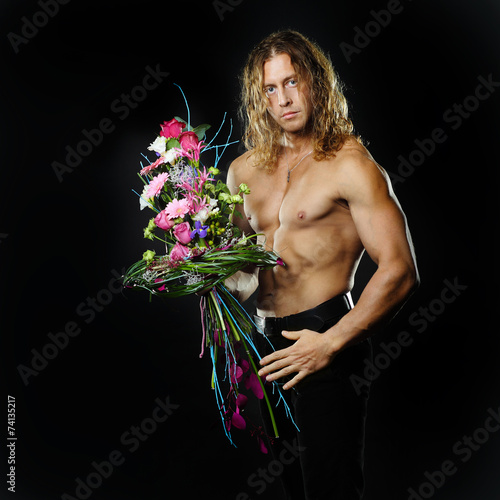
320	263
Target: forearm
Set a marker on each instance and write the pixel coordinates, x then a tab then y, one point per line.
383	296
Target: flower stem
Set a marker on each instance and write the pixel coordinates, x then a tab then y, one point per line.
255	369
217	309
268	403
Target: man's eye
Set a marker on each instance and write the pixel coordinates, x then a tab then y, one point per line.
292	83
270	90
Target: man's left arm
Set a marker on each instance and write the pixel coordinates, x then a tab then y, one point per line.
382	228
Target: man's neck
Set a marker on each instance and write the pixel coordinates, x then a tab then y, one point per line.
297	144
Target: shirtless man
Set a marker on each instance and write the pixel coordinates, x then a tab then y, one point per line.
319	203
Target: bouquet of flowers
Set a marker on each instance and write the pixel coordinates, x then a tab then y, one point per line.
194	222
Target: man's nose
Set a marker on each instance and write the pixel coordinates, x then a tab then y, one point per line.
283	97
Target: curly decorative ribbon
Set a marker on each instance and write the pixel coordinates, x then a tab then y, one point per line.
204	333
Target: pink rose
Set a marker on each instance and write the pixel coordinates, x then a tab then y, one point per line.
163	222
179	252
173	128
183	232
188	141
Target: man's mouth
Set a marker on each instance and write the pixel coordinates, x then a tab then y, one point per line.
289	114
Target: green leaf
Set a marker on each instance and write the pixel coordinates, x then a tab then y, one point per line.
187	127
173	143
222	187
200	130
210	187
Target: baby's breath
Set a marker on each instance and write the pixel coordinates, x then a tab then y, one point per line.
149	276
192	277
179	172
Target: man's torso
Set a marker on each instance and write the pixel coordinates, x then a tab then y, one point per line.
308	224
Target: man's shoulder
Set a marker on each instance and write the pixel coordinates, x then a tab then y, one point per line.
356	169
351	154
240	166
241	161
353	160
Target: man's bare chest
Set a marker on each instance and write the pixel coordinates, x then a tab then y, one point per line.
307	199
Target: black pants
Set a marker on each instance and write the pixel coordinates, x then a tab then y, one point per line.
328	411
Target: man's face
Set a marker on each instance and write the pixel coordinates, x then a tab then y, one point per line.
289	101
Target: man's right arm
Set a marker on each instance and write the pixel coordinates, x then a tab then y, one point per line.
243	283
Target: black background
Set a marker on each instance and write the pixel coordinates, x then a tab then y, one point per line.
61	240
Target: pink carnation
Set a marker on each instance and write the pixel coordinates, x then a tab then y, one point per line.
177	208
156	185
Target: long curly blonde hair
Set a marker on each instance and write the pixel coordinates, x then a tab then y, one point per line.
330	122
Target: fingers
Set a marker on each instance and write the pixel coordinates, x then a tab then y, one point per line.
295	380
299	375
272	365
295	335
280	369
284	362
276	371
283	353
273	357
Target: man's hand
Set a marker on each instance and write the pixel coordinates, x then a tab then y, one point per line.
311	352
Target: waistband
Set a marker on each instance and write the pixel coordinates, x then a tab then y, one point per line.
312	319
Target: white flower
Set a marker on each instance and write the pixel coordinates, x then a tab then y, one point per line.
201	216
206	212
170	155
159	145
142	200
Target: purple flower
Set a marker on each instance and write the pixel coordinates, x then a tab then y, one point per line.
241	401
252	382
236	374
199	229
238	421
262	446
